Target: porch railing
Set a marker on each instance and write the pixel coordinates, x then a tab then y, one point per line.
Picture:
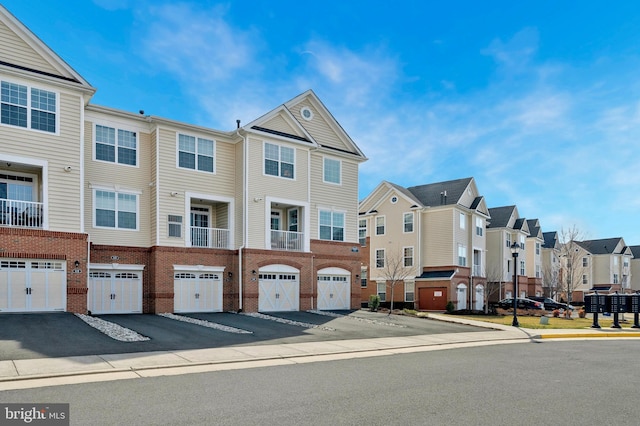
23	214
477	271
209	237
286	240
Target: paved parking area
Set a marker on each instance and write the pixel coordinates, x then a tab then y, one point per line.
28	336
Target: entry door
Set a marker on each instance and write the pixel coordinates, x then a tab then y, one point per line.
333	292
200	218
433	299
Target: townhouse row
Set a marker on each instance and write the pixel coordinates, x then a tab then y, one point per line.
106	211
429	245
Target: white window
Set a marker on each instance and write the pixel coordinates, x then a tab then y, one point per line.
522	267
407	254
409	291
279	160
379	258
382	291
175	226
479	226
408	222
196	153
332	170
615	279
585	262
115	145
537	248
462	255
463	221
508	240
538	273
362	231
28	107
522	241
585	280
380	224
363	277
331	225
115	210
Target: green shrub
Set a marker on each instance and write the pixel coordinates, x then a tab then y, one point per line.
450	308
374	302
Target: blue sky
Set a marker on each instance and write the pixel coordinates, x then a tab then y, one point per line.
538	100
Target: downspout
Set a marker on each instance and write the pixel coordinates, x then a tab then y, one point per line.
82	224
245	224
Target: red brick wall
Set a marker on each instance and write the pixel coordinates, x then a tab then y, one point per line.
40	244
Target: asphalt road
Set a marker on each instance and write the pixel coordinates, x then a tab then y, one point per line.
564	383
28	336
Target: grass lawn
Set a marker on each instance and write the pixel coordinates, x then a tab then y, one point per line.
534	322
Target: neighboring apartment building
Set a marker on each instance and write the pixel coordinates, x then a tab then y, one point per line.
603	265
635	268
505	229
550	258
437	231
111	212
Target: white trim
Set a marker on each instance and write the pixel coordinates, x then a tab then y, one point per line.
199	268
117	191
45	180
302	111
215	156
81	162
278	268
115	128
29	107
208	197
117	266
333	271
306	217
294	178
344	222
324	171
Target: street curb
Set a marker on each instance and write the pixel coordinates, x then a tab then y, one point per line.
590	335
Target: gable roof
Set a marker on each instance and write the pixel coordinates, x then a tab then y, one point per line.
46	62
550	239
440	193
602	246
534	228
500	216
635	251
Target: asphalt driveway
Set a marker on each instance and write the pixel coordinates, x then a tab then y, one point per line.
39	335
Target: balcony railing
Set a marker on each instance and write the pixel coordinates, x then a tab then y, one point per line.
286	240
477	271
23	214
209	237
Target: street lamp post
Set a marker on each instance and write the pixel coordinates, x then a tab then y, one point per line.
514	252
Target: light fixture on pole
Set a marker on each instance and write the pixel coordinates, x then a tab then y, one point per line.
514	252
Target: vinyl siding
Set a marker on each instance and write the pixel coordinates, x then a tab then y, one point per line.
59	151
124	178
437	234
263	186
173	179
318	127
16	51
153	188
279	124
341	197
239	195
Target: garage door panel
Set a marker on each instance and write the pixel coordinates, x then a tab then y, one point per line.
197	292
334	292
278	292
115	292
32	285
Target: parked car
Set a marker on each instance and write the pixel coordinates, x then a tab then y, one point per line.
523	303
550	304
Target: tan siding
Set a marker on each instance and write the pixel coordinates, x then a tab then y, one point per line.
239	195
340	197
153	189
318	128
175	179
15	51
59	151
126	178
262	186
279	124
438	233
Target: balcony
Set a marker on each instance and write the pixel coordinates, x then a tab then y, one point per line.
477	270
286	240
21	214
209	237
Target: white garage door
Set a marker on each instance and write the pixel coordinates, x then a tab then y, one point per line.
197	292
32	285
115	292
279	289
334	289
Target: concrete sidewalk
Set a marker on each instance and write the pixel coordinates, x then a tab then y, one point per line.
28	373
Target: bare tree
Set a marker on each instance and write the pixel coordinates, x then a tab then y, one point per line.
395	271
572	267
551	279
495	282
